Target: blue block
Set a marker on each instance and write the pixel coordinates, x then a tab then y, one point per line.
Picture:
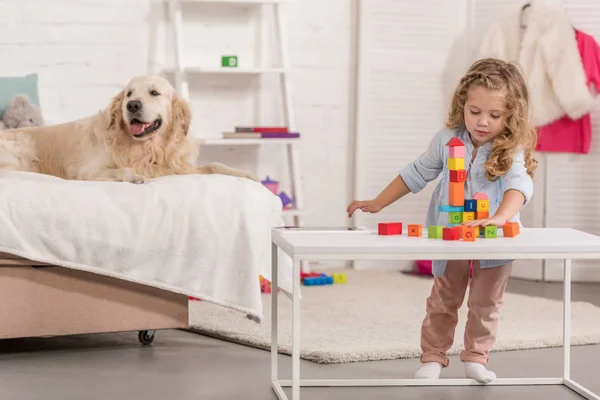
452	208
470	205
318	280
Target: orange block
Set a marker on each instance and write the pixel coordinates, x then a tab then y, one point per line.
511	229
468	234
456	193
415	230
482	214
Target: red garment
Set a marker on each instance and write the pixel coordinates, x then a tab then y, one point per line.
574	136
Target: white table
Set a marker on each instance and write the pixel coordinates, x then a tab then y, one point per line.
534	243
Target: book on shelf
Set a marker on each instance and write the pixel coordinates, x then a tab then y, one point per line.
261	135
270	129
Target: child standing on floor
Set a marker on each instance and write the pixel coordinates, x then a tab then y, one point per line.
489	114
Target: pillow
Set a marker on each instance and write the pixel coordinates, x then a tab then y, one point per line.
11	86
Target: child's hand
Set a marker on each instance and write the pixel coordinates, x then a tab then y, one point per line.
497	219
371	206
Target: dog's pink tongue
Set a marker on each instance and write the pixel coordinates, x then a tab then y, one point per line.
137	129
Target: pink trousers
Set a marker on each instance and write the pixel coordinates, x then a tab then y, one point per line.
447	294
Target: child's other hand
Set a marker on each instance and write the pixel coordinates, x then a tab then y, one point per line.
364	205
498	220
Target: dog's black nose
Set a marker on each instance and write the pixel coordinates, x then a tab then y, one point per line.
134	106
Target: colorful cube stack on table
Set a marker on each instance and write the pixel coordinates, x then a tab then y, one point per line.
459	209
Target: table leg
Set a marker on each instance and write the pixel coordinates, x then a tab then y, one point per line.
296	333
567	320
274	315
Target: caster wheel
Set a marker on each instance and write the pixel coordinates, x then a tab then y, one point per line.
146	337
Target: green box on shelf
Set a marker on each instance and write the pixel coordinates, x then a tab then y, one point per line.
229	61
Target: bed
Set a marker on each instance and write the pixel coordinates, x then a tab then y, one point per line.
92	257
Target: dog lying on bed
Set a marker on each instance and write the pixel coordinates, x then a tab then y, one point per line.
143	134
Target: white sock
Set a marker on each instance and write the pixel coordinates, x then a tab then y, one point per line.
478	372
429	370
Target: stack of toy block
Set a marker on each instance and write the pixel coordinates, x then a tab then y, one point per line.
459	209
462	210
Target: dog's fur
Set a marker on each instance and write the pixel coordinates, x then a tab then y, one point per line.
108	146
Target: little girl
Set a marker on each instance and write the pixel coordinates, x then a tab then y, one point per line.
489	114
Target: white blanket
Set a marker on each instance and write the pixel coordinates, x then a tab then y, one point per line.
206	236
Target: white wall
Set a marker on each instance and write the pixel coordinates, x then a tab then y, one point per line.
83	51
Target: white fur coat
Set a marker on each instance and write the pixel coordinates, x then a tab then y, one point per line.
547	52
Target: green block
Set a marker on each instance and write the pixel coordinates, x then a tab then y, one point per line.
435	232
229	61
491	231
455	218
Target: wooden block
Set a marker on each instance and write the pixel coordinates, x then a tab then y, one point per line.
415	230
451	233
469	234
390	228
482	215
491	231
483	205
455	218
456	152
459	175
471	205
435	232
447	209
511	229
480	196
456	163
468	216
456	193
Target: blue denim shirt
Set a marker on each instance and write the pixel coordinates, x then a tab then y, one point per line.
434	161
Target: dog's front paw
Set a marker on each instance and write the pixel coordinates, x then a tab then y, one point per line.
138	179
129	175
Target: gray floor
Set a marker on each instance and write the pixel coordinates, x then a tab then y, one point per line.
182	365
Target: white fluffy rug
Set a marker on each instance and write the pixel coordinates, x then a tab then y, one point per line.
377	316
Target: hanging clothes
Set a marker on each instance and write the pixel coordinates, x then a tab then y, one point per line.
546	50
568	135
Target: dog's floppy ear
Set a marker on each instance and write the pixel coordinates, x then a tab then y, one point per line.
182	116
115	110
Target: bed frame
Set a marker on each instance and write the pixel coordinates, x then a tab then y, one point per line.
45	300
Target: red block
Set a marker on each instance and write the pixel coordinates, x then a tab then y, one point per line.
390	228
458	175
451	233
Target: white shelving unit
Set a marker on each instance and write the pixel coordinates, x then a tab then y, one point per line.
181	71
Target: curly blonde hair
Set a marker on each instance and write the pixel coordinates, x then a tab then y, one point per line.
494	74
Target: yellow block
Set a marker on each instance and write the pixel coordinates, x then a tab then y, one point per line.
483	205
456	163
468	216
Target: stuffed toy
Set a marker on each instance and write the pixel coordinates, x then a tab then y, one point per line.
21	113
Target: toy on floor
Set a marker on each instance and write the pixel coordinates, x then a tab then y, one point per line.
319	279
265	285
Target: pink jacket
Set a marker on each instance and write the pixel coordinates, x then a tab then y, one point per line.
574	136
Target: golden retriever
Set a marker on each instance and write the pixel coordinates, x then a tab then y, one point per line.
142	134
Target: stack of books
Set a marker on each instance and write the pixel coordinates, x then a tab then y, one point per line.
261	132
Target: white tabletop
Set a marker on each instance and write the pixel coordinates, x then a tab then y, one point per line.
531	243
